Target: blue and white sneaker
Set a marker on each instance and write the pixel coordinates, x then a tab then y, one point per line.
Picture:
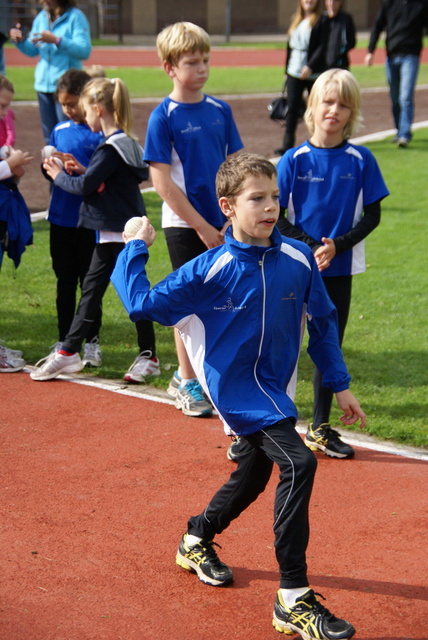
192	401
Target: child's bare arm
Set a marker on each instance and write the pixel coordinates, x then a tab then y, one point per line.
350	406
179	203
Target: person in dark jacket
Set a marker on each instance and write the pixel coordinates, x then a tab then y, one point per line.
307	39
404	22
341	35
111	196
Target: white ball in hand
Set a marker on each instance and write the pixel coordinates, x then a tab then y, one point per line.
5	151
47	151
133	226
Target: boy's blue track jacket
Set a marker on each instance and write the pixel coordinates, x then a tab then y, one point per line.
240	311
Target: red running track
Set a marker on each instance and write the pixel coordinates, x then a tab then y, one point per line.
96	489
220	57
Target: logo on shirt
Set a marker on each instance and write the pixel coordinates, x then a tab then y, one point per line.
190	128
229	306
291	296
309	177
348	176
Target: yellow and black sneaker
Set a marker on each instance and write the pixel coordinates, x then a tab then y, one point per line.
326	439
201	558
310	619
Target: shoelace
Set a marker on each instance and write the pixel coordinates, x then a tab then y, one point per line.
144	355
210	552
195	389
319	608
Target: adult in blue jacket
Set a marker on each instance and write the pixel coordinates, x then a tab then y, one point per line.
60	36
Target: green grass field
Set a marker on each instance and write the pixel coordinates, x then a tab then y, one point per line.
153	82
385	345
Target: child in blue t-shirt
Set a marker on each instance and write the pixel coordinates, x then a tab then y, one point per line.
332	191
71	247
189	135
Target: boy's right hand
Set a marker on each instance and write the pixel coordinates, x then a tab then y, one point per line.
146	232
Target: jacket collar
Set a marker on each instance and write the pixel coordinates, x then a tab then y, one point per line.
248	252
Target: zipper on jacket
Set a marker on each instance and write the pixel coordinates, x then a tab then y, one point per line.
262	266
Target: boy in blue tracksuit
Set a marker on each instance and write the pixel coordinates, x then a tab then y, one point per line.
239	309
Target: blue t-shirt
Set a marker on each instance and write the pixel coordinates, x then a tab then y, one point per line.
194	139
78	139
325	190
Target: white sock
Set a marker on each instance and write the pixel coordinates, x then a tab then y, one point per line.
290	596
191	540
184	381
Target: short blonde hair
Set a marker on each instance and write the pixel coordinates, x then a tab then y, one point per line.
179	38
236	169
349	93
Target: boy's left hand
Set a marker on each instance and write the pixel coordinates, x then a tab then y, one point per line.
350	406
325	254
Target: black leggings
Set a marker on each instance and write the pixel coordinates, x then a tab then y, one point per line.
339	290
94	287
295	89
282	444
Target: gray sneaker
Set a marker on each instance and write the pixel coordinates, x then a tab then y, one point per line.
92	354
55	364
174	385
10	365
11	353
192	400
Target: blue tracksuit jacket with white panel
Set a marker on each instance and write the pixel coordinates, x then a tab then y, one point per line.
240	311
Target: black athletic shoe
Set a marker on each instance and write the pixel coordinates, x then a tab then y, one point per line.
310	619
233	450
202	559
326	439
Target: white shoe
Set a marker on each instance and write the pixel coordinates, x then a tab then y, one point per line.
142	367
54	364
92	354
12	353
10	365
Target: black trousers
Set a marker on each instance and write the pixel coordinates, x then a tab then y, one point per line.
94	287
295	89
279	443
71	252
339	289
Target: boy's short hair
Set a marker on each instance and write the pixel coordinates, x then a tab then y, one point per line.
235	170
179	38
349	92
5	83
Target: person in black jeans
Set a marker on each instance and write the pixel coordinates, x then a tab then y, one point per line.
307	39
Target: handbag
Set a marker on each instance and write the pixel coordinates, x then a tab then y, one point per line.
278	108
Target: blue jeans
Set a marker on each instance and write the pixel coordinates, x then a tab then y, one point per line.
50	113
402	72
